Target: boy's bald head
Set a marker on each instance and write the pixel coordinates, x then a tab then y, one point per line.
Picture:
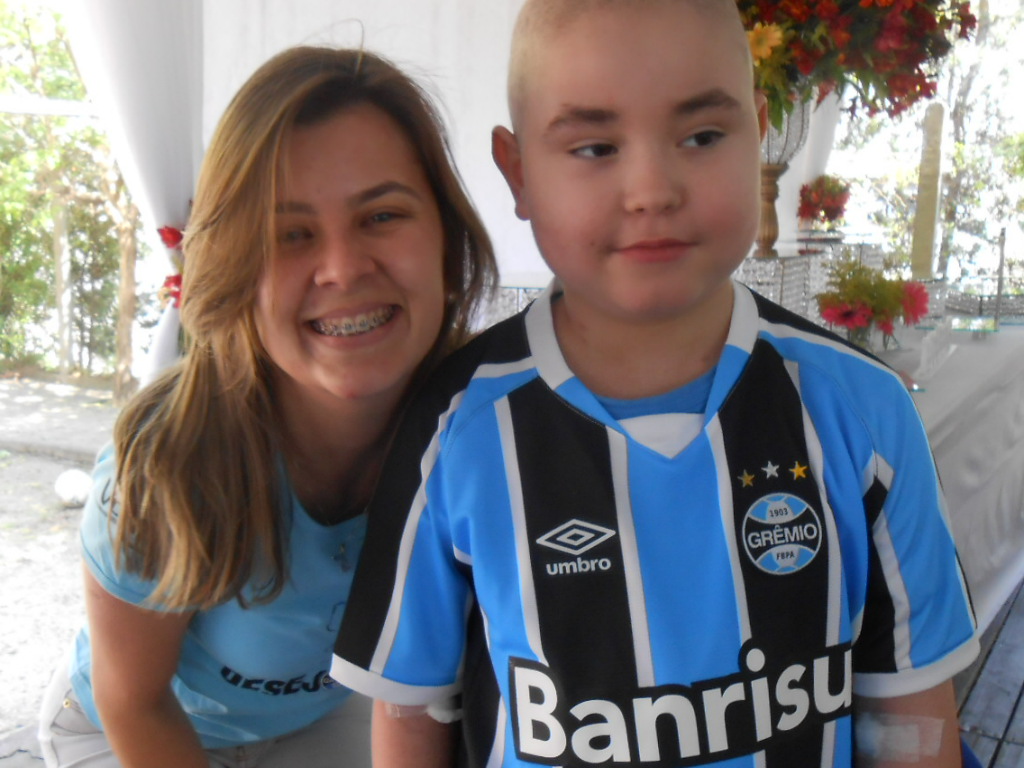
540	20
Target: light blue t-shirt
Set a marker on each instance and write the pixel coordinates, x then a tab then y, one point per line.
245	674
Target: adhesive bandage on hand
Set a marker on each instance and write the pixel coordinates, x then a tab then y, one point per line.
897	738
445	711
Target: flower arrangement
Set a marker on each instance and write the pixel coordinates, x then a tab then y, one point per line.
860	297
824	199
886	51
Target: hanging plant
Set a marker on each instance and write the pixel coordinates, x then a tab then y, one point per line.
824	199
880	55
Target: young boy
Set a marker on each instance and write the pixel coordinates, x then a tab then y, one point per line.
655	519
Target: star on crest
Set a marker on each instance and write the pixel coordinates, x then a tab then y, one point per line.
799	470
770	470
746	479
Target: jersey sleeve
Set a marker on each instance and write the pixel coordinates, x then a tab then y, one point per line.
99	520
917	627
403	633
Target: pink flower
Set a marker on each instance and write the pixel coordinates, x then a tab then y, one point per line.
847	315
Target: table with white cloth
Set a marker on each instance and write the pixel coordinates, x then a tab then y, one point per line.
972	405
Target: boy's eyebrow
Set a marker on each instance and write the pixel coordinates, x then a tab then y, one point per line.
366	196
579	116
715	98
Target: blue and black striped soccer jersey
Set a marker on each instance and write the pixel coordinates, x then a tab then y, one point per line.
643	609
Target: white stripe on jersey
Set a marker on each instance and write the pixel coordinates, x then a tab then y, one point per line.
531	619
828	744
497	370
497	757
816	458
833	621
619	449
714	432
780	331
897	589
497	754
882	471
390	629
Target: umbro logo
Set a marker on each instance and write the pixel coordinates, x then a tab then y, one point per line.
575	537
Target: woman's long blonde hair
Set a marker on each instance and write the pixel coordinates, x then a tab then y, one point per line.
198	469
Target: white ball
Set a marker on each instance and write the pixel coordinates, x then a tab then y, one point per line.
72	487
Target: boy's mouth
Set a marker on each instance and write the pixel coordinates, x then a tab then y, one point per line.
354	326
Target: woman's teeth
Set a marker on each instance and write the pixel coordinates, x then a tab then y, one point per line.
353	326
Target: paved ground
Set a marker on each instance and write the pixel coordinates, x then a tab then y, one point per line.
46	429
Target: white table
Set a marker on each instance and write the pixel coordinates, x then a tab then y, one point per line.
973	409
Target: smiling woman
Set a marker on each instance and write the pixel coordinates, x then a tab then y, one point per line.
332	259
354	297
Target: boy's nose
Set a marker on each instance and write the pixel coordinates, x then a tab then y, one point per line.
651	184
343	262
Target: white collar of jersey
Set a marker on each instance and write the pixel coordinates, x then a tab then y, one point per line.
745	323
552	368
540	332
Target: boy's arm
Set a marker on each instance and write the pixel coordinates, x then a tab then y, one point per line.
412	738
920	729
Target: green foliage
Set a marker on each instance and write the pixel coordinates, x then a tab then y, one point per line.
47	163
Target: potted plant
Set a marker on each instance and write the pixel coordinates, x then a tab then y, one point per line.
861	298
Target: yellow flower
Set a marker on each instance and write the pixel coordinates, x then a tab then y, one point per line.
763	39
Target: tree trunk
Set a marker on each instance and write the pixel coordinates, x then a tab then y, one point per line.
124	383
62	287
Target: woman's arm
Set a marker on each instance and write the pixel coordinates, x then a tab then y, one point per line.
919	730
410	740
134	655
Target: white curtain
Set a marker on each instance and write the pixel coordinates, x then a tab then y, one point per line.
142	64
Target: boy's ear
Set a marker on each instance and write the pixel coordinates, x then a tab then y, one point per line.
505	151
761	103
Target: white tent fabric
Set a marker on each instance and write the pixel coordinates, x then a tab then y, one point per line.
141	61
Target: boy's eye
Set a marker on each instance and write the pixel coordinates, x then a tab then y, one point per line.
594	150
703	138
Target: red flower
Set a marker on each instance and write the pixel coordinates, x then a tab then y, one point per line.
172	289
171	236
915	302
805	60
827	10
796	9
968	21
